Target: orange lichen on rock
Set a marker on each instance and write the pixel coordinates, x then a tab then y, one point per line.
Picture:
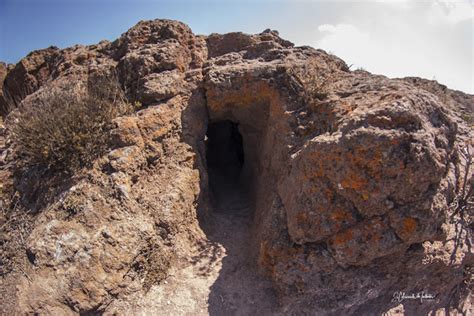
343	237
127	132
250	94
340	216
354	180
302	218
374	237
407	228
409	225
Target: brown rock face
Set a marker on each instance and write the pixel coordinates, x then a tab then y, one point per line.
3	102
30	74
350	177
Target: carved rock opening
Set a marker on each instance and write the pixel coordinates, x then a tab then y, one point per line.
225	160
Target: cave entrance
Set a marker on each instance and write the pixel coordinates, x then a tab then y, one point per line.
225	161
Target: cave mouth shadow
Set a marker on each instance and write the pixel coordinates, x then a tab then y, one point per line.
225	257
225	161
239	288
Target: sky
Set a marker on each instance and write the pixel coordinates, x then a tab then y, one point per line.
432	39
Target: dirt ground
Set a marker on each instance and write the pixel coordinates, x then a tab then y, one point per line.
221	278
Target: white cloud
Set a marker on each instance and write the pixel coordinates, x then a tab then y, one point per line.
398	2
430	40
452	11
346	41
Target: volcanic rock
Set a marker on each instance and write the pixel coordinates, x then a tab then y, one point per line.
349	179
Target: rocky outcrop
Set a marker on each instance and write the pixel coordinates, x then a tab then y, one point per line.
352	176
3	102
29	74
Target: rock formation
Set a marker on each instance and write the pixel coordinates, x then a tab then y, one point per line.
351	177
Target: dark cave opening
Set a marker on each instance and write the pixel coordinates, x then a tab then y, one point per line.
225	160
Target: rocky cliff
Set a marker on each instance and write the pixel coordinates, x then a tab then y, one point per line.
349	181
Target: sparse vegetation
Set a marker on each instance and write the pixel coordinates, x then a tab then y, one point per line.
468	118
16	223
314	82
67	128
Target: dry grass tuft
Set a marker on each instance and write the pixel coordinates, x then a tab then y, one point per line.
67	128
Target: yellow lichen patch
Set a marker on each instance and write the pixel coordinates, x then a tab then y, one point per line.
365	196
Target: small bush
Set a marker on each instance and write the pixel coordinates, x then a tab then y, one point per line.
67	128
468	118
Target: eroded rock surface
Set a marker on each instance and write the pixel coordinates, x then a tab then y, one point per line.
3	102
350	179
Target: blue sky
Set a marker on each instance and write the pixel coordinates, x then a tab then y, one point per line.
431	39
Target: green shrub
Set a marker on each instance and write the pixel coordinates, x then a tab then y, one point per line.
67	128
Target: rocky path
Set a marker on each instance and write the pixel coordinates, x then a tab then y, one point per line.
220	279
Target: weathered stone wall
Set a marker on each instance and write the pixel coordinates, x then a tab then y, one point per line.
354	178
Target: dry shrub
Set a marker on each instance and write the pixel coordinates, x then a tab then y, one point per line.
67	128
